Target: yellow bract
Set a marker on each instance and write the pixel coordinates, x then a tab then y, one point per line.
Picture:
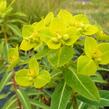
98	52
57	31
13	57
32	76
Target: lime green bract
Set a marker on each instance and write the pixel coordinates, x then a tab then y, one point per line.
32	77
56	31
59	34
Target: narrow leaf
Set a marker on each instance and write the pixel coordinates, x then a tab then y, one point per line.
24	99
104	100
39	104
10	103
5	79
82	84
61	97
15	29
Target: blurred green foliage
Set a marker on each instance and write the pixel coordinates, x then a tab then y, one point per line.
36	9
97	10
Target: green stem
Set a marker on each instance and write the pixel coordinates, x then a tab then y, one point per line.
74	102
5	35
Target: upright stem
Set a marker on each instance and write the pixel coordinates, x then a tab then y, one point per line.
5	35
74	102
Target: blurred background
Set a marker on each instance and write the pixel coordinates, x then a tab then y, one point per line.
97	10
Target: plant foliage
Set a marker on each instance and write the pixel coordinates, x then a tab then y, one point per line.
51	74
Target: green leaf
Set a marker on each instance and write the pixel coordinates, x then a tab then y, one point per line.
90	46
7	76
61	57
22	77
104	48
17	20
33	67
39	104
104	100
53	58
10	103
27	31
98	79
3	96
82	84
61	97
87	101
23	99
86	66
66	54
87	106
42	79
20	14
13	56
15	29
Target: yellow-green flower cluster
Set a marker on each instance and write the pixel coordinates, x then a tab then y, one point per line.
32	77
56	31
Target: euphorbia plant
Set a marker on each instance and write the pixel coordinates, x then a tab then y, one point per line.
53	62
